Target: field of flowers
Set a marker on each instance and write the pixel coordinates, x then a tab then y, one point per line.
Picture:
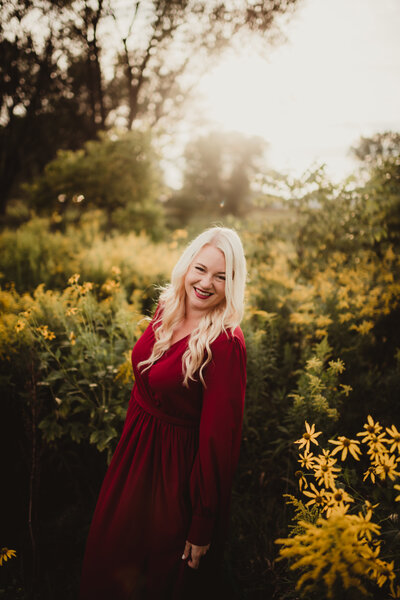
310	519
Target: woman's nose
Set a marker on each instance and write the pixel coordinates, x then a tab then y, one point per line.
206	281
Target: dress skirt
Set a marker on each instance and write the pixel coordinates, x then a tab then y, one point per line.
143	511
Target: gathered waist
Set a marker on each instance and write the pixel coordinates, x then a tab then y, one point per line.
162	416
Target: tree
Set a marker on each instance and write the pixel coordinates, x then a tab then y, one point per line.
117	174
166	43
379	197
50	86
57	87
217	177
378	148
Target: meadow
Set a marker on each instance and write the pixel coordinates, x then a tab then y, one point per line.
315	503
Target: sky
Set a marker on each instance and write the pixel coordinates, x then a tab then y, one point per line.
334	79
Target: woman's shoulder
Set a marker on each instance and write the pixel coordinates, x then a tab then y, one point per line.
229	350
226	338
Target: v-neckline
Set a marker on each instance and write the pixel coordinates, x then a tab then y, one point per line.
180	339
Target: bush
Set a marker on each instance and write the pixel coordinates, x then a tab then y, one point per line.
118	174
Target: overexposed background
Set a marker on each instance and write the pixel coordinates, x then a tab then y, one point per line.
335	78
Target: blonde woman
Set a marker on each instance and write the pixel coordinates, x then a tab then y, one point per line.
161	517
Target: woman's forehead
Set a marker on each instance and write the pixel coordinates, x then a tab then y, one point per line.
211	257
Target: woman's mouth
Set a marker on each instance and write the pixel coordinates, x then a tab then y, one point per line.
201	293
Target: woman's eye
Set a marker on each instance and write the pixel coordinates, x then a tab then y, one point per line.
221	277
199	269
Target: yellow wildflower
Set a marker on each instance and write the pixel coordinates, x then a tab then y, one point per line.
314	363
318	497
327	454
73	280
6	554
345	317
323	321
45	332
302	294
370	472
371	429
367	529
309	436
344	444
320	333
72	338
306	460
395	438
20	325
389	254
180	234
337	366
346	389
71	311
339	257
116	271
375	456
344	304
335	510
302	480
387	467
364	327
383	571
86	287
325	471
301	318
370	507
376	446
397	487
110	286
332	551
125	372
263	314
338	496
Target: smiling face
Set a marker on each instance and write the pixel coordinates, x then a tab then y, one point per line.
205	280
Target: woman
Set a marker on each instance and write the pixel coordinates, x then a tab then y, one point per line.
161	517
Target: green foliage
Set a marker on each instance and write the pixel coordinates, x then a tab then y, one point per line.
381	199
341	543
302	513
116	173
80	344
314	294
375	150
318	396
35	254
52	97
347	218
219	169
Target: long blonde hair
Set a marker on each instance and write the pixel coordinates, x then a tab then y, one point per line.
225	316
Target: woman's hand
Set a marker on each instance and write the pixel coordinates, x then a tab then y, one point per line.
194	553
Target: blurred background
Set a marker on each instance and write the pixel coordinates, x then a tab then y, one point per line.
127	127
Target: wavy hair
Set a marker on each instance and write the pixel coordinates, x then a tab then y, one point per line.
224	317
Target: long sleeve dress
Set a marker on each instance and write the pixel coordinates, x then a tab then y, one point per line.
169	479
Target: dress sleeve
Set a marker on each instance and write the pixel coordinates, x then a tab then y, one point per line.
219	437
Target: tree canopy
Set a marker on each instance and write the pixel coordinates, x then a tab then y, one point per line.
117	174
73	67
218	172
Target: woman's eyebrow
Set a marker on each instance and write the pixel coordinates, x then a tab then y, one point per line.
205	267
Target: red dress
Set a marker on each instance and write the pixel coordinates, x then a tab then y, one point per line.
169	479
